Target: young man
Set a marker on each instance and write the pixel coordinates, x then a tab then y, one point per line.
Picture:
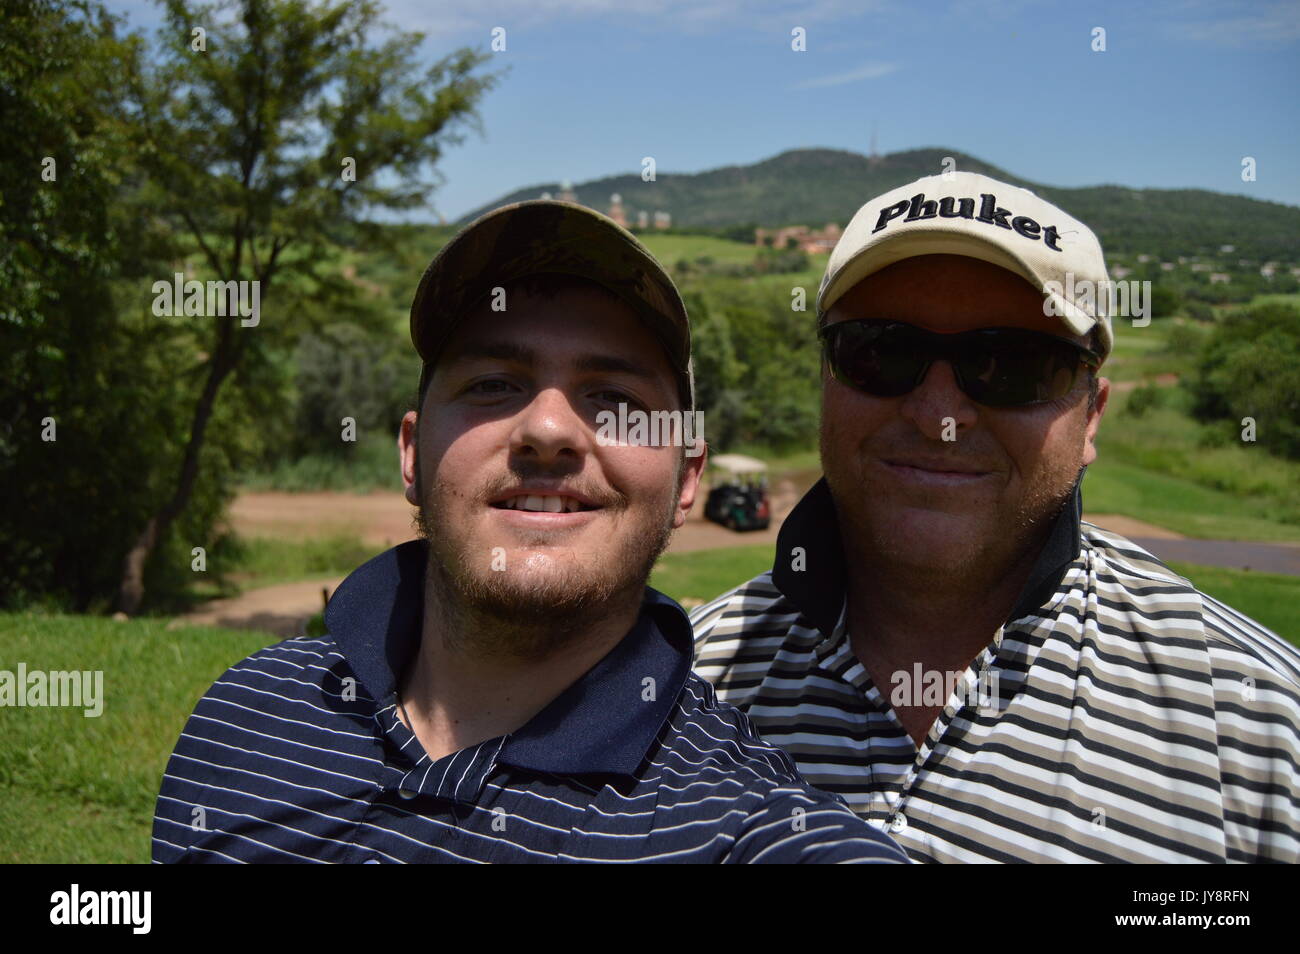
507	688
941	640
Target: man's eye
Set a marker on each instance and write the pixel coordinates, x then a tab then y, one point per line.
490	386
614	398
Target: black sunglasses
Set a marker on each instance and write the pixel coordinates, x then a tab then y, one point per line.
997	367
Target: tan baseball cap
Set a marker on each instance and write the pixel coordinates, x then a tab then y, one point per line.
963	213
546	236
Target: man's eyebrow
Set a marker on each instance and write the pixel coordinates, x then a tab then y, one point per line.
521	354
500	350
609	364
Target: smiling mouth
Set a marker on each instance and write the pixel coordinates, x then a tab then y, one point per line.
538	503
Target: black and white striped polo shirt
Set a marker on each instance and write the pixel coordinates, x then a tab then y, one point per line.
296	754
1118	715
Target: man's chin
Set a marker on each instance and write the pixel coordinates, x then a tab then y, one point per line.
929	540
541	594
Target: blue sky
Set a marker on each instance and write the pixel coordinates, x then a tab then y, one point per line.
1184	90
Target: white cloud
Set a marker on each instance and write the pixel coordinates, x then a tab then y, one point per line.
449	17
865	72
1253	24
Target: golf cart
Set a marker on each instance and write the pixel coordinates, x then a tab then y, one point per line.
738	496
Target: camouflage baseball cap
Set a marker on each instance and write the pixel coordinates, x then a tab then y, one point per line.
546	236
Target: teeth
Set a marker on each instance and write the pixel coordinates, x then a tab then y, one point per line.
539	503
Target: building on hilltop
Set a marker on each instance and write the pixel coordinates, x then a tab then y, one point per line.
809	240
616	210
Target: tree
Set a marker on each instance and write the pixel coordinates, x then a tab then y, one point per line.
265	127
72	370
1249	367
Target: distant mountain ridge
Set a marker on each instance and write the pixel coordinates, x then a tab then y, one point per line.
816	186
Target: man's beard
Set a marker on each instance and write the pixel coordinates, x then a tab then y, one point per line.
871	537
505	614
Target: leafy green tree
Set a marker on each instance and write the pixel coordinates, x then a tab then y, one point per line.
85	392
1164	301
1250	367
262	136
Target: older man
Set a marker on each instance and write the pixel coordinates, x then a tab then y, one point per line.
507	688
941	640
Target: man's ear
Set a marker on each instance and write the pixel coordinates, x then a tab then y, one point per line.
692	470
1094	420
407	438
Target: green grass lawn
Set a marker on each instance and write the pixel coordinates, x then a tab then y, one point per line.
1181	505
693	578
1268	598
267	561
77	789
668	249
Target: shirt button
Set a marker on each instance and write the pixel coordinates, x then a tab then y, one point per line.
898	824
406	793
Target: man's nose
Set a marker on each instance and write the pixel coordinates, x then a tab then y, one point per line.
549	429
937	407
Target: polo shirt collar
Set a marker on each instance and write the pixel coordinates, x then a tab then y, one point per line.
810	566
604	723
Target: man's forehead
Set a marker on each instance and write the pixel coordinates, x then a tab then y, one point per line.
585	347
949	293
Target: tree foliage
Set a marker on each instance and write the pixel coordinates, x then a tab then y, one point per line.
1249	367
241	145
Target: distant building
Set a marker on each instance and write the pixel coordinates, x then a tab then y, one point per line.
1227	249
1219	278
616	210
1144	258
1200	267
809	240
1166	266
1119	271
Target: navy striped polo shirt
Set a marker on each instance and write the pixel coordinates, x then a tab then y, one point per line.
296	754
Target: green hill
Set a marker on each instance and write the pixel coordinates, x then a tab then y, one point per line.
816	186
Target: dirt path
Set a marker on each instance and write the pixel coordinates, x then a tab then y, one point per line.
383	519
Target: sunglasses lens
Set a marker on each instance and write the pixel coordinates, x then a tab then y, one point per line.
997	367
875	358
1006	369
